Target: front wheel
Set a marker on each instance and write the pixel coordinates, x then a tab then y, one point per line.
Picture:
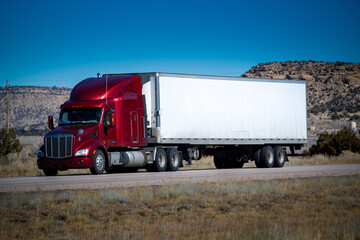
99	163
50	171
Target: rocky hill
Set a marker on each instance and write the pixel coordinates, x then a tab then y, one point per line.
333	95
333	89
30	107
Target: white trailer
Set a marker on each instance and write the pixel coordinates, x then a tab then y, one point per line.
234	119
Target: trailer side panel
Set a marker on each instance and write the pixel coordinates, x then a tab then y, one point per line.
205	110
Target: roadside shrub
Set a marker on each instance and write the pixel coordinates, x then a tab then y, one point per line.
9	143
332	144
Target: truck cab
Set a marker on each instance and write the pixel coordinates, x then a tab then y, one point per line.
101	114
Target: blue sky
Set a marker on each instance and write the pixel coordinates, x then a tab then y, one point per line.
48	43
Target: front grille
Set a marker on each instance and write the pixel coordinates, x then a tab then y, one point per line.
59	145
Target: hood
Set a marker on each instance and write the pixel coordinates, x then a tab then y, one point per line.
74	130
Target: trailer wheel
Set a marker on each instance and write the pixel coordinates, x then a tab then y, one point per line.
50	171
257	158
237	159
160	162
239	164
280	156
99	163
231	160
229	163
267	157
197	154
173	157
219	162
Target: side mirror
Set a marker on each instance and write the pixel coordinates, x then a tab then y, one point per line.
51	122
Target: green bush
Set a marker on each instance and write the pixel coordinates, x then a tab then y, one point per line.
332	144
8	142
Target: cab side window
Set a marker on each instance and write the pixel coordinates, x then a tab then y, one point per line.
107	121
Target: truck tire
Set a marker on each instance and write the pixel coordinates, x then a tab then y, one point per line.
160	162
99	163
238	164
50	171
173	158
267	157
257	157
218	161
229	163
236	159
197	154
230	160
280	156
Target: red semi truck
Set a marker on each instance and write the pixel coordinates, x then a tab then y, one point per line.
123	122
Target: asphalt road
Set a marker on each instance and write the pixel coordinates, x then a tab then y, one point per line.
42	183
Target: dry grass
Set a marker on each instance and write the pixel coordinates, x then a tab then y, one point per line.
346	157
203	163
24	164
317	208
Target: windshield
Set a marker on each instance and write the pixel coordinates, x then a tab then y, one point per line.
80	116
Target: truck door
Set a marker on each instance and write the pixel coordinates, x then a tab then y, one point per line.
134	126
109	129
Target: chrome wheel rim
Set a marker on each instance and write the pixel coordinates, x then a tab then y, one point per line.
270	157
162	160
281	157
197	154
174	159
100	162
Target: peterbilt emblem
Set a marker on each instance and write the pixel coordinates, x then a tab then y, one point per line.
81	131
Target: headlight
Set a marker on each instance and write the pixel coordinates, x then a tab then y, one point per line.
82	152
40	154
